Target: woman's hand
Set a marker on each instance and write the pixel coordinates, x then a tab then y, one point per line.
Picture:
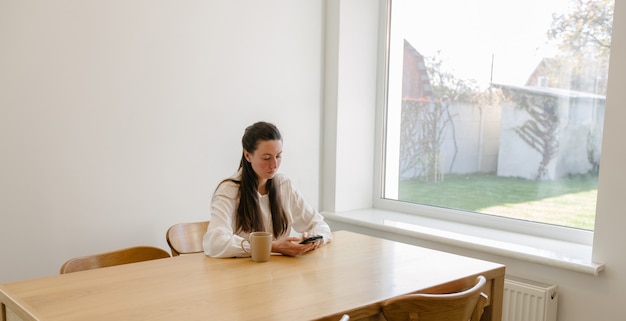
290	246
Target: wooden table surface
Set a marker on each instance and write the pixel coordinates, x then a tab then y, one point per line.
353	275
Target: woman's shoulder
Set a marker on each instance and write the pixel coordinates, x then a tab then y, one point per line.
281	178
228	186
284	182
228	183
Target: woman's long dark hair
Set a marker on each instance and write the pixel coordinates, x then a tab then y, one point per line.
248	217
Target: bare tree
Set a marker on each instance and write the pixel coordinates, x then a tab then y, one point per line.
586	28
422	134
583	35
426	121
539	132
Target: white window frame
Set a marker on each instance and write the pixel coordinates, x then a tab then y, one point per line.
352	141
560	233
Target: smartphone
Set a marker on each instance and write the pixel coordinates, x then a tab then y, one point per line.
311	239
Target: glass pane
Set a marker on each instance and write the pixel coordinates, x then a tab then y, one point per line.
497	107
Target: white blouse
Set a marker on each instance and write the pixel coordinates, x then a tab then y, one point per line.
220	239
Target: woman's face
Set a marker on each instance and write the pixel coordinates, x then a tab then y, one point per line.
265	160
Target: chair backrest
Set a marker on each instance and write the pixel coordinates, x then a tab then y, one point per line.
463	305
118	257
186	238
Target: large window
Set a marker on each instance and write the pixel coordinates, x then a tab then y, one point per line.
496	108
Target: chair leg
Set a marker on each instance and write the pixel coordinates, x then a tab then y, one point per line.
480	307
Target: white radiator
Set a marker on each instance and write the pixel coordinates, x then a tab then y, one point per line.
526	300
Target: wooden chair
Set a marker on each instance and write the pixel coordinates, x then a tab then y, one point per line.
186	238
118	257
464	305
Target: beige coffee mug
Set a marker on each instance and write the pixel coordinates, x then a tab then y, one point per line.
260	246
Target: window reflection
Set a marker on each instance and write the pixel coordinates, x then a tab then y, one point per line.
497	107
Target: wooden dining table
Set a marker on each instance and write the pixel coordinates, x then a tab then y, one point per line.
351	275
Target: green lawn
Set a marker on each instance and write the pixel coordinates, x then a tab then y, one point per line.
569	201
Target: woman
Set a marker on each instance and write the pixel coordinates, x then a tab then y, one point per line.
258	198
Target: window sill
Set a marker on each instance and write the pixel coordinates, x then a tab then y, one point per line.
560	254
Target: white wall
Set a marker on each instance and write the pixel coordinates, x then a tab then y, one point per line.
350	103
118	118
